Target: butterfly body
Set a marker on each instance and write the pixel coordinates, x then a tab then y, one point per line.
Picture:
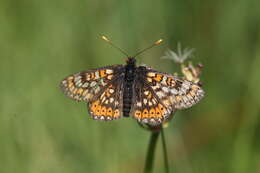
129	76
130	90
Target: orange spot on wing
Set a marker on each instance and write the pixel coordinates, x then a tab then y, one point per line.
98	110
108	93
145	113
161	107
138	114
94	106
70	84
109	112
102	73
80	91
158	113
104	111
152	113
158	77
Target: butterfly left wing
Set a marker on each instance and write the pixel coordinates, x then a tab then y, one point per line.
101	88
83	86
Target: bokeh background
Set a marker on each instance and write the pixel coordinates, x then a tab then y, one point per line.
41	42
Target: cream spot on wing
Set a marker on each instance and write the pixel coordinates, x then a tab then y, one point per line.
97	90
174	91
88	77
109	77
88	96
149	79
146	92
103	99
109	71
85	85
164	80
111	90
150	74
160	94
77	78
165	89
139	104
93	83
102	82
111	99
78	83
96	75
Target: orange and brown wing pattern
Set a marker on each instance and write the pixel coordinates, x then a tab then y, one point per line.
83	86
147	107
157	95
172	91
108	104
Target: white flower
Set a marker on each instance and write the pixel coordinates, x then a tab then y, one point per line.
179	56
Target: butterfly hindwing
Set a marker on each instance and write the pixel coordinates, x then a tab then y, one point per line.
147	107
108	104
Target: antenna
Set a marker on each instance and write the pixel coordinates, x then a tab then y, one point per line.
149	47
113	45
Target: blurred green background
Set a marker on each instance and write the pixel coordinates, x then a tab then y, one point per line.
41	42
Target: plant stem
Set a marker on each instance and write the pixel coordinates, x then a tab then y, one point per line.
165	156
151	152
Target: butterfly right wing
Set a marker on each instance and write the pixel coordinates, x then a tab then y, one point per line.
157	95
108	104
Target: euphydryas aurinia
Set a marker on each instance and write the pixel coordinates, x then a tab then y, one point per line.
130	90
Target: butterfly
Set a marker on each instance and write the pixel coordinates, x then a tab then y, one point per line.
116	91
127	90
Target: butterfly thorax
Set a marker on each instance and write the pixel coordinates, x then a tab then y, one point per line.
130	69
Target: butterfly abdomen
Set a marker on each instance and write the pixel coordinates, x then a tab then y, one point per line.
128	86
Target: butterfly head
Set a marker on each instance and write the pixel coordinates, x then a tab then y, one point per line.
131	61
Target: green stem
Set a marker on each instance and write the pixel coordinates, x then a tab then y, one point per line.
151	152
165	156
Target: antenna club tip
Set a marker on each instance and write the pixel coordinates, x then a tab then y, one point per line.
158	41
105	38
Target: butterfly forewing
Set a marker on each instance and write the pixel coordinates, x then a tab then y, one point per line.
173	91
83	86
